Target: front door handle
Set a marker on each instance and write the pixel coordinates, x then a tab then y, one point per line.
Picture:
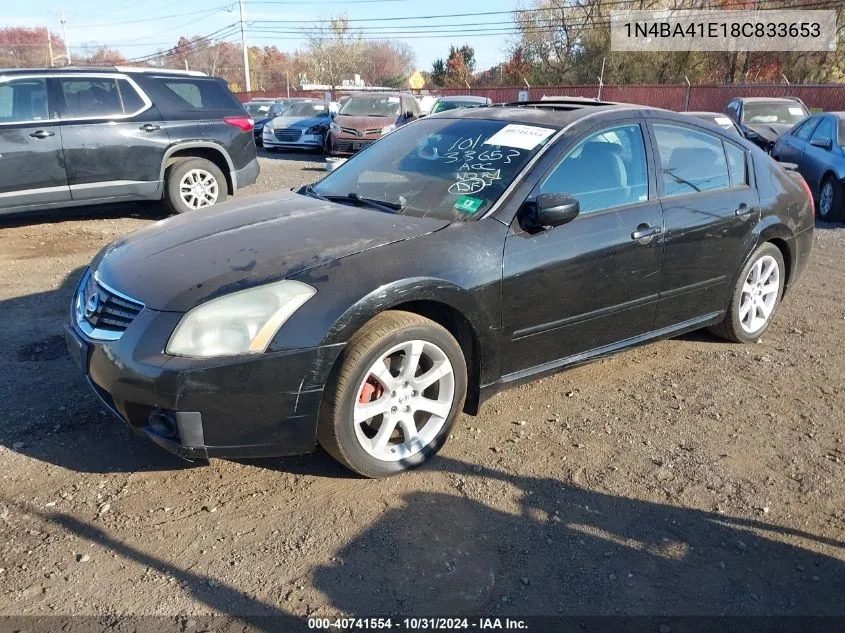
743	209
645	231
42	134
149	127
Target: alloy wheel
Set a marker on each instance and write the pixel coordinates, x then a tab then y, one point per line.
826	199
404	400
759	294
198	188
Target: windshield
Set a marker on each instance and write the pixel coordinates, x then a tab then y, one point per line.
452	169
371	105
306	108
258	109
442	106
790	113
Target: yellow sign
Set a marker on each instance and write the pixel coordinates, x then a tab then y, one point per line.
416	81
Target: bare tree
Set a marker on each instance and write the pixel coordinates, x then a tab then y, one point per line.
334	51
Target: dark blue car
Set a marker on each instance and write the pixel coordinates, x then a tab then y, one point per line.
816	146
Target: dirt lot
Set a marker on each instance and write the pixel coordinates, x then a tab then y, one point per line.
691	476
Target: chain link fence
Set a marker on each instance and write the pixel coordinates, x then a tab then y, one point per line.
712	98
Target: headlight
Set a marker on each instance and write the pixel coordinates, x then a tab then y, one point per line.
268	127
243	322
388	129
317	129
334	127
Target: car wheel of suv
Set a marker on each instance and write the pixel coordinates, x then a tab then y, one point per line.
194	183
400	384
830	204
756	297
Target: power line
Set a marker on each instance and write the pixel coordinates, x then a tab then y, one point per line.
156	18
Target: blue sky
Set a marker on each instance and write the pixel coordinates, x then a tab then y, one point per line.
140	28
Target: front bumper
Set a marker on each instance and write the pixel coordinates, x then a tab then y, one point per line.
249	406
303	141
344	144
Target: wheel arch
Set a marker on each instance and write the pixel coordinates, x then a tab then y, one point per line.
211	152
778	234
444	303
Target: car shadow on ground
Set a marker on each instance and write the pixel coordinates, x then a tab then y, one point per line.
316	160
144	210
559	549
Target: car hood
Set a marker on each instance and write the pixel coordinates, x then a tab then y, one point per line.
364	122
769	131
177	263
282	122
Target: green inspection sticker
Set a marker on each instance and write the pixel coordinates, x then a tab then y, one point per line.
468	204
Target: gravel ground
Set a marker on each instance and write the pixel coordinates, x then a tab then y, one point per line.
690	476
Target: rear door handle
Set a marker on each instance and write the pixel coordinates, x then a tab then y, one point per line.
149	127
743	209
42	134
645	231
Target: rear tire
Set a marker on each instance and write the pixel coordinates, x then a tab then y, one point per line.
391	402
831	202
756	297
194	183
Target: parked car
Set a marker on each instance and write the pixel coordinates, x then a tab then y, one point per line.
303	125
763	119
717	118
817	147
461	254
426	103
77	136
452	103
262	111
366	117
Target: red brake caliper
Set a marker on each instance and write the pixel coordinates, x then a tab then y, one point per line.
371	391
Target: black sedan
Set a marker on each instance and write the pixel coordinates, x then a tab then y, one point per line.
817	146
457	256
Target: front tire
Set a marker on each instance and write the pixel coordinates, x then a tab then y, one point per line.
399	386
831	203
194	183
756	297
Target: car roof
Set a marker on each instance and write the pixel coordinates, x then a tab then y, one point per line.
467	98
557	111
126	70
766	99
704	113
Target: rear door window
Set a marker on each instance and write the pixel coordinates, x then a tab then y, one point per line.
23	100
91	97
691	161
737	165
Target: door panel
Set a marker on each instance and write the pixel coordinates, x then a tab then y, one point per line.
816	160
579	286
32	168
588	283
114	143
710	209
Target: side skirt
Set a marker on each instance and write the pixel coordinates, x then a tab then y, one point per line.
538	371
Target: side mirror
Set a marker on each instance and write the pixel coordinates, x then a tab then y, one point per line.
555	209
823	142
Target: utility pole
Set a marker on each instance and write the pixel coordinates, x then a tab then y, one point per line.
49	46
247	83
64	35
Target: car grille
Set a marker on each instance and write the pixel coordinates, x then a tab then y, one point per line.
289	135
351	146
102	312
354	132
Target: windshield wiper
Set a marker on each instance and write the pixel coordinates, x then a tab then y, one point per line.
381	205
308	190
